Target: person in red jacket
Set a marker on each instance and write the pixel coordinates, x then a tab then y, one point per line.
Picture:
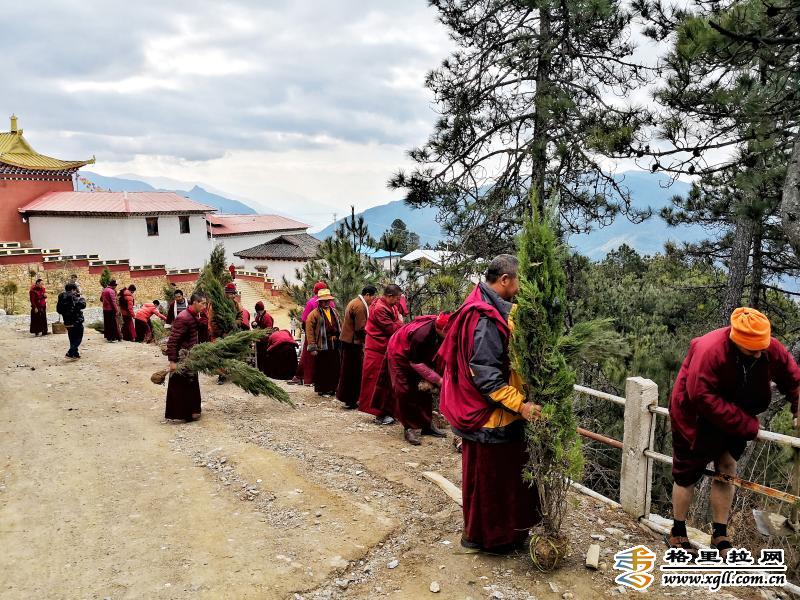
126	304
183	389
144	332
38	297
110	312
721	388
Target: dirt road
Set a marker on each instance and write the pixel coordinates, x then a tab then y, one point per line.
101	498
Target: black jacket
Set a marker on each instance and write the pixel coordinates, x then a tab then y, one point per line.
70	306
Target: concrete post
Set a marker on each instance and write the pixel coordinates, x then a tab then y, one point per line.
636	476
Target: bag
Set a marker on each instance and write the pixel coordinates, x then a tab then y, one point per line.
62	305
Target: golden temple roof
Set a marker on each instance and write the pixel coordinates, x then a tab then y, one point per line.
17	152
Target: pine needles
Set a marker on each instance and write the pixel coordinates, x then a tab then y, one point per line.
227	354
222	310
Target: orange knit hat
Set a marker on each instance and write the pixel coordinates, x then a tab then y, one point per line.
750	329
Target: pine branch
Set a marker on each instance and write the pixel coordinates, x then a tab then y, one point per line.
227	354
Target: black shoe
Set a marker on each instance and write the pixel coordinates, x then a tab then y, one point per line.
434	431
350	406
384	420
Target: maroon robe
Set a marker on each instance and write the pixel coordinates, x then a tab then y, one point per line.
126	302
280	359
413	344
349	386
376	389
183	390
716	399
110	311
499	506
38	298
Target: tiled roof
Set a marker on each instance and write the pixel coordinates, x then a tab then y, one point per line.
243	224
297	246
113	203
17	152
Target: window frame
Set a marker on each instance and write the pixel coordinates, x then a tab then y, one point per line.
181	220
154	221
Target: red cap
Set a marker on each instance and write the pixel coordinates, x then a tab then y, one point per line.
320	285
230	288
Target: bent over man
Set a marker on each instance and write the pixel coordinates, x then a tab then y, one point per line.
410	360
722	385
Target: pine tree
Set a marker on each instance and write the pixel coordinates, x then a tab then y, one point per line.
524	104
218	266
105	278
210	284
553	444
730	111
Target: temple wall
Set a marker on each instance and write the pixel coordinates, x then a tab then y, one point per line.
126	237
15	194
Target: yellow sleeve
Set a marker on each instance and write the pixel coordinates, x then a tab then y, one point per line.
510	397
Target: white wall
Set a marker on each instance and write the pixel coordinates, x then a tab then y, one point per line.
276	269
237	243
125	237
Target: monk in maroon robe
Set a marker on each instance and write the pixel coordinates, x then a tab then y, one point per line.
126	309
482	399
280	361
722	386
384	319
411	360
322	332
183	389
262	320
38	298
354	332
110	312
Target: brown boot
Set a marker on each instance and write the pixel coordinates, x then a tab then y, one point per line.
412	436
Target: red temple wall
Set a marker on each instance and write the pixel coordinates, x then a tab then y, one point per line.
14	194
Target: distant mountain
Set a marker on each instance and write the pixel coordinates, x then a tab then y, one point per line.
379	218
271	200
647	189
197	193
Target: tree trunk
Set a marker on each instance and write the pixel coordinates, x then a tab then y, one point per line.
737	267
758	268
540	120
790	204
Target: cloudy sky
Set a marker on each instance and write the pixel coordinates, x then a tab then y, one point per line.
263	99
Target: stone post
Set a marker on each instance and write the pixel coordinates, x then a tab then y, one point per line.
636	476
